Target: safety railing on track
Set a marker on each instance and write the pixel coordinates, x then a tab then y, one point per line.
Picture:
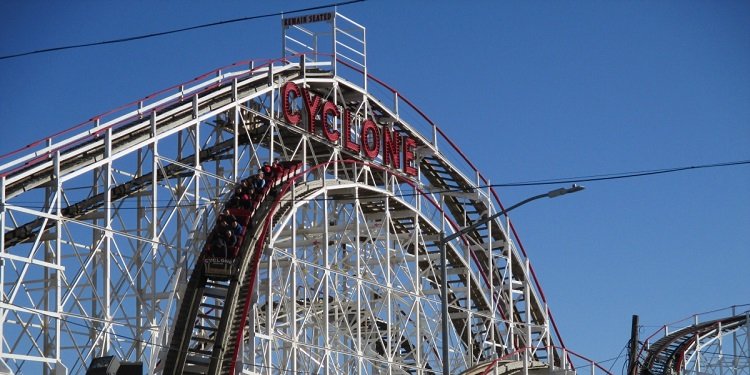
698	318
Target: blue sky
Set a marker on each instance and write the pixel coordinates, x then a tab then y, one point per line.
529	90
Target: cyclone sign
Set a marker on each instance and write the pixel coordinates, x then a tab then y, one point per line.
369	140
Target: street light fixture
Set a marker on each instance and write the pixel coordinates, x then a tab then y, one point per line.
444	261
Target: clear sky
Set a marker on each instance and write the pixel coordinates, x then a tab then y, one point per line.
529	90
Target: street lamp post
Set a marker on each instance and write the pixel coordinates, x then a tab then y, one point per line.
444	258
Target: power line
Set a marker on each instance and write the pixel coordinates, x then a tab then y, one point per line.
615	359
558	181
619	355
175	31
616	176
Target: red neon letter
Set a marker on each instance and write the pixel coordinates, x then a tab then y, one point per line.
370	140
312	106
409	164
348	144
292	118
391	148
329	109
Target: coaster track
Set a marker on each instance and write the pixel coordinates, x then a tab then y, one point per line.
197	348
700	348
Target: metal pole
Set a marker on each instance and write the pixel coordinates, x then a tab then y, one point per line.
632	365
444	259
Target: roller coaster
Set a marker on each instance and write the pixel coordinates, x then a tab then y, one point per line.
711	343
336	270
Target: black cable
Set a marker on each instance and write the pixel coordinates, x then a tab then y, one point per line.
618	357
606	360
565	180
152	35
592	178
615	176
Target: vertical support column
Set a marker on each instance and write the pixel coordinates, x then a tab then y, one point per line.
326	287
197	159
293	270
47	337
358	273
96	325
140	317
388	282
490	335
154	228
108	236
418	285
444	301
527	318
444	291
58	262
181	256
510	287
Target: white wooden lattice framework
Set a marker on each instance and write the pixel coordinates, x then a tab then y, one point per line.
103	223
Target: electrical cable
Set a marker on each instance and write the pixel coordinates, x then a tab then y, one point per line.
615	176
175	31
615	359
618	357
558	181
